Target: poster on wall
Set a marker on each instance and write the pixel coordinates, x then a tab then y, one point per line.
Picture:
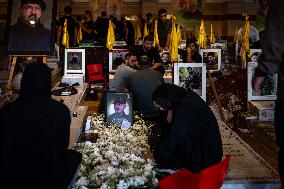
30	26
188	15
112	7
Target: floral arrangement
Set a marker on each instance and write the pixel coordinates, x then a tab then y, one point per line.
118	159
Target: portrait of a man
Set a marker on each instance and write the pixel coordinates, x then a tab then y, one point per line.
192	10
28	33
119	108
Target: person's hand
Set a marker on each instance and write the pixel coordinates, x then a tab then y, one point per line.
160	49
170	116
166	48
256	81
188	50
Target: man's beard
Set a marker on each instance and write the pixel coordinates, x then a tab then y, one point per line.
31	19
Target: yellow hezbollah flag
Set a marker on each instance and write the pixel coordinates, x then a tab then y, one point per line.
156	37
79	35
137	33
110	36
145	31
212	37
174	43
178	34
245	40
65	36
202	35
236	35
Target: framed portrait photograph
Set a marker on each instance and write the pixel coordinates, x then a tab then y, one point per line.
166	60
191	76
116	57
74	61
254	55
29	26
119	109
268	88
212	59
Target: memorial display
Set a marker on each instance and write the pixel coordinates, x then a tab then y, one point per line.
116	57
119	109
212	59
268	88
118	158
191	76
254	55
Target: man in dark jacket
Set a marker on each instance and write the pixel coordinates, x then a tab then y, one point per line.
272	62
142	85
34	136
28	34
192	140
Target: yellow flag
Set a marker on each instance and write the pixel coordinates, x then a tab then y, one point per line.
110	36
202	35
212	37
79	35
174	43
137	33
145	31
178	34
65	36
245	40
156	37
236	35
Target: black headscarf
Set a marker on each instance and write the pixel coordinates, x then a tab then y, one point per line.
36	81
168	95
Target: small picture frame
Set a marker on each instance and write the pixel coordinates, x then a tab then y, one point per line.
119	109
116	58
191	76
254	55
74	61
268	87
182	44
166	60
212	59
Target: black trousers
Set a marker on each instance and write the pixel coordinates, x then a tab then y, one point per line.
279	131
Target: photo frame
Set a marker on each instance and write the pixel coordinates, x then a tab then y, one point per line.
74	61
254	55
191	76
268	86
166	60
22	38
55	56
116	57
212	59
119	109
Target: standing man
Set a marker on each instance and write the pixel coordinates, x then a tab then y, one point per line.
273	62
71	27
28	34
164	30
123	72
101	26
88	28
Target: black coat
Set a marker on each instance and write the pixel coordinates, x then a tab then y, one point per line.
34	135
193	140
24	38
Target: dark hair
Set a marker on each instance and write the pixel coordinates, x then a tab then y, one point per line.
88	12
148	38
167	95
189	41
149	14
162	11
144	62
128	55
78	18
103	13
260	1
210	54
120	100
68	9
